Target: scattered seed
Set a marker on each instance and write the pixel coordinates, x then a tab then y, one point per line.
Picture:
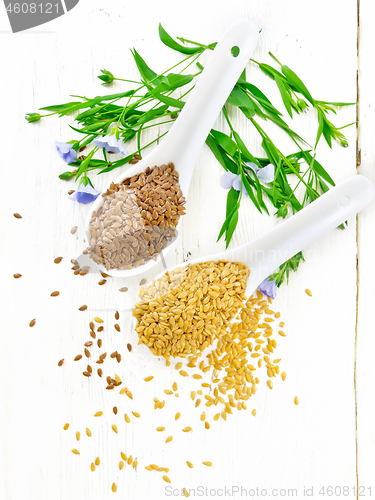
308	292
74	229
102	282
100	372
88	432
66	426
117	327
55	294
100	342
78	435
82	308
296	401
87	353
75	451
78	357
283	376
92	467
123	289
160	429
57	260
115	410
130	460
169	439
135	463
120	464
207	425
98	414
98	320
142	282
97	461
136	414
166	479
86	374
114	428
114	487
17	216
17	275
209	464
254	412
32	322
118	357
127	418
147	379
129	347
177	416
178	365
187	429
217	416
60	362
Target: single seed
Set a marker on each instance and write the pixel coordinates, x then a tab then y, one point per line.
17	216
296	401
120	464
102	282
206	424
100	372
142	282
183	373
74	229
166	479
32	322
123	289
117	327
169	439
283	376
57	260
189	464
270	384
78	435
99	342
78	357
217	416
177	416
135	463
168	391
254	412
209	464
175	387
123	456
88	432
98	320
114	428
98	414
92	466
160	429
75	451
82	308
17	275
136	414
86	374
60	362
187	429
130	460
114	487
118	358
127	418
129	347
115	410
66	426
97	461
87	353
55	294
179	365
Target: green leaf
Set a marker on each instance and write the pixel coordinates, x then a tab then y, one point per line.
151	114
170	101
240	99
85	163
169	42
232	224
225	142
117	164
147	73
244	150
226	162
285	95
297	83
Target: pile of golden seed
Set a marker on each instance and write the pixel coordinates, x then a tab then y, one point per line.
185	310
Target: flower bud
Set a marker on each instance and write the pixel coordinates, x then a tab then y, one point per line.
32	117
106	76
66	175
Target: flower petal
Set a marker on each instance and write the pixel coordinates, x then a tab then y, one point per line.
237	183
267	173
268	288
226	180
84	194
253	166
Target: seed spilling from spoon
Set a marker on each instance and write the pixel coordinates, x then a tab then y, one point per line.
137	220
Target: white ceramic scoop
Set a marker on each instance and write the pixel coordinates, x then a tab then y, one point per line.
265	254
183	142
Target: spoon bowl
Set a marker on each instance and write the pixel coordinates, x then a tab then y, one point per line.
183	142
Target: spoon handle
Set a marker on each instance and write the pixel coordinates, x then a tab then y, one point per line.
202	107
268	252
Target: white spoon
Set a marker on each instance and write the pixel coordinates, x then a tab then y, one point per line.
265	254
183	142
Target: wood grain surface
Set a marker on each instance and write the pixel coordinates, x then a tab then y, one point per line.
328	439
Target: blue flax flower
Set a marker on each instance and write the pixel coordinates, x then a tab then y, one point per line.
265	174
111	144
229	180
66	151
268	288
84	194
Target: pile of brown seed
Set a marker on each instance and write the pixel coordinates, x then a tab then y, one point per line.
185	310
137	220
